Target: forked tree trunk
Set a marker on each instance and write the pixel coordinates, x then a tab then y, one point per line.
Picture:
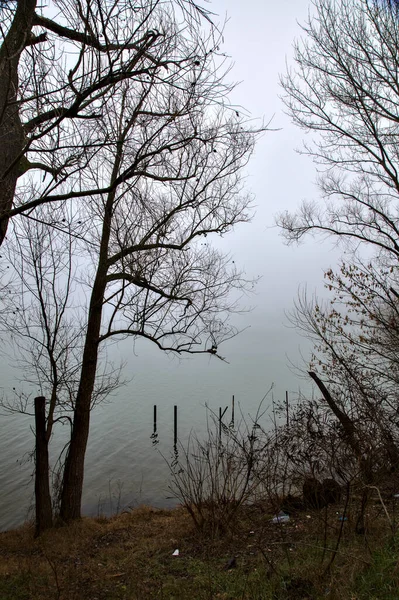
44	513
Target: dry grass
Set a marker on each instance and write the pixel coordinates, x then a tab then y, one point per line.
130	557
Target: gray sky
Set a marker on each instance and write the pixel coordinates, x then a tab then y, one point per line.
258	36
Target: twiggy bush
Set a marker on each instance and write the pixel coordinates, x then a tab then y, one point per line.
213	478
311	455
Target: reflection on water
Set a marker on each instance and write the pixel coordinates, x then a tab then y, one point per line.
154	436
128	462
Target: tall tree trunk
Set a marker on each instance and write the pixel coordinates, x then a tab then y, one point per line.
72	486
11	130
71	493
44	514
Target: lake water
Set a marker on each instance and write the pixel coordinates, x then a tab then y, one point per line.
122	465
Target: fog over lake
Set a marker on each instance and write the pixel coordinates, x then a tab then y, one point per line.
121	458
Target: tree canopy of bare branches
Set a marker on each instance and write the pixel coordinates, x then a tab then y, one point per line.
344	91
63	65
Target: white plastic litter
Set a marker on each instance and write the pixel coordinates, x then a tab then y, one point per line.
280	518
175	553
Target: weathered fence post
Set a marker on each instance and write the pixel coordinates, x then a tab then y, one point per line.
44	514
287	409
175	426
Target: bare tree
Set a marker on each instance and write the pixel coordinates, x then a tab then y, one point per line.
60	64
154	277
137	134
344	89
43	334
43	319
355	366
44	341
34	306
355	360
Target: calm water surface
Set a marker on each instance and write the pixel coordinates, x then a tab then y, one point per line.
122	465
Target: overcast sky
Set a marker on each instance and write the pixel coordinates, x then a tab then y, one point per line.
258	36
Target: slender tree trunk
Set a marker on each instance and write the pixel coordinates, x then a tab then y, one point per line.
346	422
11	130
72	487
351	436
71	494
44	514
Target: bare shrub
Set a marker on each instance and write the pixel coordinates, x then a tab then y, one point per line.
213	478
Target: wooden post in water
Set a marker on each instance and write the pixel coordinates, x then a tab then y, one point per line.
154	435
232	411
44	515
221	415
175	425
287	408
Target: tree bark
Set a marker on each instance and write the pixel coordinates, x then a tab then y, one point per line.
44	514
72	487
11	130
347	423
71	495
